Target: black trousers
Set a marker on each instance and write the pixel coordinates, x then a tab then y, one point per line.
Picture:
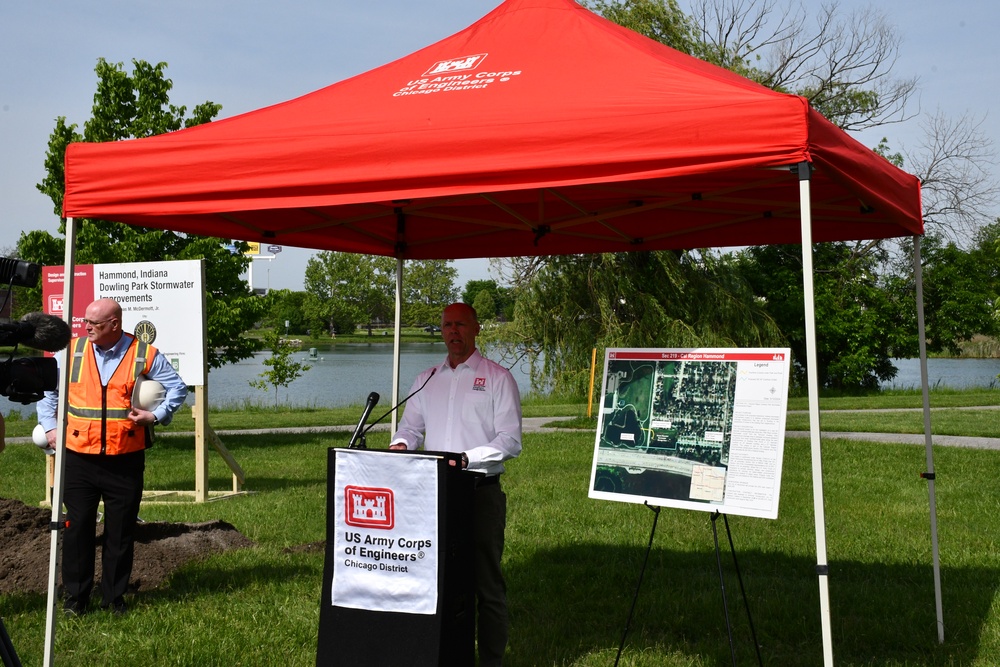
491	590
89	479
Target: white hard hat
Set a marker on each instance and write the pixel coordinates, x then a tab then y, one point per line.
147	394
38	437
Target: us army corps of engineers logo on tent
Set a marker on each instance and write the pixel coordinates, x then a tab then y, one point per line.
456	74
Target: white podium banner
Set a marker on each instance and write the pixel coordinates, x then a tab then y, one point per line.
386	537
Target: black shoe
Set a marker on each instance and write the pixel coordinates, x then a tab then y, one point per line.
118	607
74	608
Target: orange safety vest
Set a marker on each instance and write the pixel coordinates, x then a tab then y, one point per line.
97	415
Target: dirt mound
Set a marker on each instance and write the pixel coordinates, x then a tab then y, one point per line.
160	547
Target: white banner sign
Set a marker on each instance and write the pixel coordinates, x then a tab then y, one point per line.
161	304
386	539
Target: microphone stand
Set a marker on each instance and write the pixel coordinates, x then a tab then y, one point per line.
395	407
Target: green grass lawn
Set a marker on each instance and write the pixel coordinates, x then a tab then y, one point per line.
572	563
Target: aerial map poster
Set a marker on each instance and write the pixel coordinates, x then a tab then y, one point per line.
700	429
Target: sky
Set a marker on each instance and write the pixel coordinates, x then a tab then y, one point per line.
249	55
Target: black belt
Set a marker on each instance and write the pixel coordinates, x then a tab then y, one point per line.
489	479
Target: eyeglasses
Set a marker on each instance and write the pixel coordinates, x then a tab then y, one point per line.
95	323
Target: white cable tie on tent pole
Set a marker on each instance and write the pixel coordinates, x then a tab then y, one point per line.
928	444
822	568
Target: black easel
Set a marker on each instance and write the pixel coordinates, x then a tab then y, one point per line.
722	584
7	652
649	547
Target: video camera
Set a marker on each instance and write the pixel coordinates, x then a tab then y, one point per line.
25	379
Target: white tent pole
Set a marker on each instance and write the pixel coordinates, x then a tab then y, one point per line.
57	478
929	475
812	373
397	333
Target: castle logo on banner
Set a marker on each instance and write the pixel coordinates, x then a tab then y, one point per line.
369	508
386	540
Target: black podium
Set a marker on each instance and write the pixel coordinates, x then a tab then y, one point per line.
398	583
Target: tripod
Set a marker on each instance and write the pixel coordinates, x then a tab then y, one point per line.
722	583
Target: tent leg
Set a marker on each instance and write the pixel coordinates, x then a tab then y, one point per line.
398	334
60	465
822	568
928	445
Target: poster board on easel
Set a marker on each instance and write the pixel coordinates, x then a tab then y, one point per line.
699	429
163	304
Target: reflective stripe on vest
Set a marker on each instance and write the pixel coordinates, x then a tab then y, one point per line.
80	345
95	408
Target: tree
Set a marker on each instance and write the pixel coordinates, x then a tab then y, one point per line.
857	309
503	303
699	298
484	306
843	66
961	290
133	106
347	289
286	306
474	287
283	370
661	20
953	162
578	302
379	300
428	286
331	282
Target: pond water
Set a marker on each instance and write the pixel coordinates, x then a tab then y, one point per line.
342	375
951	373
347	373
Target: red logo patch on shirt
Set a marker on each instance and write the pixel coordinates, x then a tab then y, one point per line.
479	384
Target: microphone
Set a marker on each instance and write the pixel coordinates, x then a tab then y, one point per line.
360	430
37	330
396	407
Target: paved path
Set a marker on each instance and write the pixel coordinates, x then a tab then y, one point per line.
528	425
906	439
909	438
538	425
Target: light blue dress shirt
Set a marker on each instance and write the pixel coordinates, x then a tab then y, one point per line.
107	361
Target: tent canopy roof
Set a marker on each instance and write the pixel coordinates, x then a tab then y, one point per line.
540	129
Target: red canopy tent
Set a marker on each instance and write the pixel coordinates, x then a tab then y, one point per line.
540	129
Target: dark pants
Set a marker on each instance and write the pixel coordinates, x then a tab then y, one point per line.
89	479
491	591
